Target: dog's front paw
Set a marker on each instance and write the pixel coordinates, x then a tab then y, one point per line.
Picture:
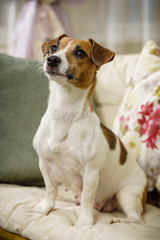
84	220
44	207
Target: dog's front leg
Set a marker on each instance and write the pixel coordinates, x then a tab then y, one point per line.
90	183
47	204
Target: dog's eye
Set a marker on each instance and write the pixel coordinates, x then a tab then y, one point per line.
80	53
54	48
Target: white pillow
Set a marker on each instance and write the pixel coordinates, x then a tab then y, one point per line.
112	81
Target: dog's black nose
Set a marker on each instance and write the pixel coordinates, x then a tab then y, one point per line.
53	61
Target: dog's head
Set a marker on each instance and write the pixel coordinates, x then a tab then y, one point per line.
74	61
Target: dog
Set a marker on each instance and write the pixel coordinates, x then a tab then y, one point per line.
74	148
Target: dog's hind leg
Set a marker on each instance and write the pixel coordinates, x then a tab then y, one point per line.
130	200
47	204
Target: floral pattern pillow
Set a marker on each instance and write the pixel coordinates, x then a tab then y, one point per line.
138	120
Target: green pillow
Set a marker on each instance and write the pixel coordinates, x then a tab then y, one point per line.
23	101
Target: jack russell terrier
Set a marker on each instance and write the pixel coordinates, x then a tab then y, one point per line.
74	148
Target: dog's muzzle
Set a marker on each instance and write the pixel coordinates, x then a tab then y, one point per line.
52	68
53	61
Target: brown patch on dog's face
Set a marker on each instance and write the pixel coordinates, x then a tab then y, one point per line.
81	67
123	154
110	136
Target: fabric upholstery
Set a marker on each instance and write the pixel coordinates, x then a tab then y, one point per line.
16	216
23	100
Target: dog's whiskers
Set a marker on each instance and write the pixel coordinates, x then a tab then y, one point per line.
39	68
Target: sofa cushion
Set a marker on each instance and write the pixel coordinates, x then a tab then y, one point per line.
16	216
138	120
23	100
113	79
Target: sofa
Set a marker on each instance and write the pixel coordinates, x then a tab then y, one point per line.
23	100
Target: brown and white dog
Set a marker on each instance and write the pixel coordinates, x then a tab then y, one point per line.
74	148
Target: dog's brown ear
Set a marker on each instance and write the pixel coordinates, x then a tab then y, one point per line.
47	45
100	55
61	36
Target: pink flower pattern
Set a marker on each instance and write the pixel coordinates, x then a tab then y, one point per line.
150	124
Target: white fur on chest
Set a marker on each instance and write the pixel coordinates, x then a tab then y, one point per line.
69	134
68	112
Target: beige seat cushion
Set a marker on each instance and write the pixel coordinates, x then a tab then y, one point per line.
16	216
